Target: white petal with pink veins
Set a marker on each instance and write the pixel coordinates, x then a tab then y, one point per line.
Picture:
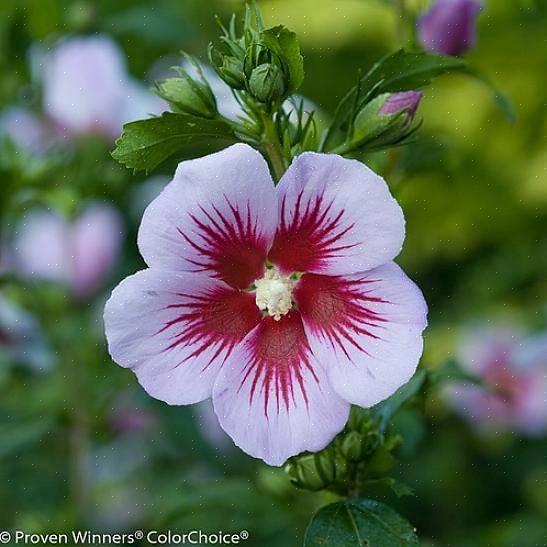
366	329
273	398
175	330
217	217
337	217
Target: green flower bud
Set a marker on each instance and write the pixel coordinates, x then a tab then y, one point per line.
267	83
352	446
188	96
232	73
313	471
385	119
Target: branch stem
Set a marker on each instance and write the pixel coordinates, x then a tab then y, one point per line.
272	146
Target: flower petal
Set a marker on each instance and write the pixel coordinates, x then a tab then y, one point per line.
273	398
175	330
337	217
218	216
366	328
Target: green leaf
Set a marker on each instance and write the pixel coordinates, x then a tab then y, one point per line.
404	71
284	44
146	143
386	409
451	371
399	71
500	99
19	437
359	523
400	489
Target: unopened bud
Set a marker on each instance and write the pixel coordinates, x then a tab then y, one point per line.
313	471
267	83
405	101
383	120
232	73
352	446
188	96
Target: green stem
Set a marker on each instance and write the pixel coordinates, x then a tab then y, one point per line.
357	479
272	146
402	16
342	149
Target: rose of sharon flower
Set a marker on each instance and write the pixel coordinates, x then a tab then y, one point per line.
80	253
87	88
514	371
449	27
282	303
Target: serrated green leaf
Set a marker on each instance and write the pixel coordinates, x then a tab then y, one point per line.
146	143
284	44
358	523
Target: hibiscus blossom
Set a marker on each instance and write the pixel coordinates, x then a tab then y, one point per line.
513	370
281	303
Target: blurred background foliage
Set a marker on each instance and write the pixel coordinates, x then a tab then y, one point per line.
82	446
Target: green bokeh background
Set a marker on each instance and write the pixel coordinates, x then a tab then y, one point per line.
474	191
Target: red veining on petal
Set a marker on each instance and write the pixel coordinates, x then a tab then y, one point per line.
279	356
229	242
217	320
338	309
311	238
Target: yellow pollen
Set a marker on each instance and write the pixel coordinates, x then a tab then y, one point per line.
274	293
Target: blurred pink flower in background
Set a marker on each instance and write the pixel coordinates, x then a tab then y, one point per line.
514	371
25	129
127	416
80	253
87	88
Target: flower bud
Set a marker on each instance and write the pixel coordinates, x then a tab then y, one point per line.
449	26
356	446
405	101
267	83
383	120
352	446
232	73
313	471
187	96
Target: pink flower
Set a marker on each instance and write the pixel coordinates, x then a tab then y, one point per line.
87	88
282	304
79	253
514	371
25	129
